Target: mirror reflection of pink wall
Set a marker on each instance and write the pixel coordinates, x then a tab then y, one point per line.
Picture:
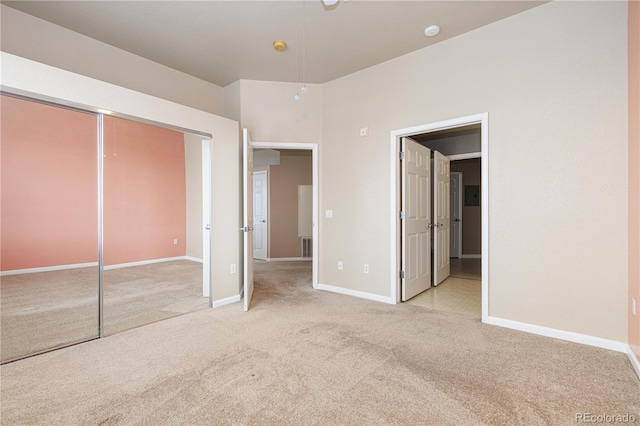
144	192
49	206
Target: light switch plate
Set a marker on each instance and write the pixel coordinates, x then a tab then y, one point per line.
328	214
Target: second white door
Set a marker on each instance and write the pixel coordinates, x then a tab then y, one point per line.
260	209
442	218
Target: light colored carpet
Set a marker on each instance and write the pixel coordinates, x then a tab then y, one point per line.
302	356
47	309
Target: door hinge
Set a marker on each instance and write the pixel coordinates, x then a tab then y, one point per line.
401	214
401	155
402	275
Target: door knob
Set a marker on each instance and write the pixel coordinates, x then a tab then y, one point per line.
458	220
263	221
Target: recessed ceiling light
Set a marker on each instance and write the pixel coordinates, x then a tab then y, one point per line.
432	30
280	45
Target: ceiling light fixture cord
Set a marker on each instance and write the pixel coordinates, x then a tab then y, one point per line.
297	96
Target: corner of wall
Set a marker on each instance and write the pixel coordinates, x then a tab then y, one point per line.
634	179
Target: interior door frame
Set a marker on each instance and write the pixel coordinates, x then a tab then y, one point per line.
394	178
459	212
313	147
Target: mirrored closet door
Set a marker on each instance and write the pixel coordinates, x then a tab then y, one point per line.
48	227
104	225
153	224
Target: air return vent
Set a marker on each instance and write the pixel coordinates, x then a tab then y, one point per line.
307	245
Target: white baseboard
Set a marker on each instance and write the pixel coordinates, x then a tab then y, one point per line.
90	264
470	256
356	293
559	334
226	301
635	363
48	269
289	259
144	262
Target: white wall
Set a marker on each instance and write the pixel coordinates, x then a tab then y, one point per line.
23	75
271	114
556	92
33	38
232	101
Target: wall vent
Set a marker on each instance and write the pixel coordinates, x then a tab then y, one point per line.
307	247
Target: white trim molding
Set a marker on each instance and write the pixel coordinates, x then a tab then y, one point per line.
90	264
48	269
289	259
226	301
144	262
356	293
635	363
568	336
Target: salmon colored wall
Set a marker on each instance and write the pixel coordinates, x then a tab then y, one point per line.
144	192
634	172
49	204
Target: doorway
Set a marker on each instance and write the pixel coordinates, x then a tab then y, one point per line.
250	216
479	120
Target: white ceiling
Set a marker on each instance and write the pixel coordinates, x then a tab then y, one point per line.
223	41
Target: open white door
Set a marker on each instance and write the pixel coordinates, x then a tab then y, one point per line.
442	218
416	208
206	219
247	216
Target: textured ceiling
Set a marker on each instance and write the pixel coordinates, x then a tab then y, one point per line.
223	41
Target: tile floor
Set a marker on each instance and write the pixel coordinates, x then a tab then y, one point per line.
455	294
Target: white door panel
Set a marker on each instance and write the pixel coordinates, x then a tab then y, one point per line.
416	205
442	215
260	191
247	213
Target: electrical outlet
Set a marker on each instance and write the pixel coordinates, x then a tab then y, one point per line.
366	268
175	241
634	307
340	265
364	132
233	268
